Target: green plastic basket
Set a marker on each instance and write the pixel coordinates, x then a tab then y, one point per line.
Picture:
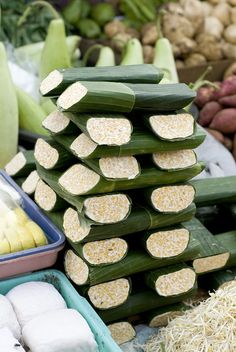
73	300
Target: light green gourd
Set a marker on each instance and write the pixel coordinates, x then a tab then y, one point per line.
55	53
8	112
164	58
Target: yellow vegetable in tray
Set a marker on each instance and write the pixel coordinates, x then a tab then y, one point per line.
18	232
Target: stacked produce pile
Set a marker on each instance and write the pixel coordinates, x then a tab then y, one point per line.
199	31
117	164
218	110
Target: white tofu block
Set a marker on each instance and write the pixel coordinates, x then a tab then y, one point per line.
8	317
8	343
34	298
59	331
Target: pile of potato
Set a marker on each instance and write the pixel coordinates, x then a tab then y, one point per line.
199	31
218	111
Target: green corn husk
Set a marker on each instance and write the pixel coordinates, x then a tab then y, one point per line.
81	121
141	302
155	247
134	262
212	191
140	219
96	97
30	183
104	260
68	128
19	180
51	178
142	142
148	177
152	277
133	74
135	172
213	253
170	200
228	241
171	116
42	197
21	164
215	280
63	159
119	97
150	97
162	316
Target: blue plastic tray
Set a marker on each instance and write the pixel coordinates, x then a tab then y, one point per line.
55	237
73	300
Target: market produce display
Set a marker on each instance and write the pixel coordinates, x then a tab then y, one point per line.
37	315
217	111
100	212
199	31
108	155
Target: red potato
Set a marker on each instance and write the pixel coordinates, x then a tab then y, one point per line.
228	87
225	121
208	112
229	100
217	135
204	95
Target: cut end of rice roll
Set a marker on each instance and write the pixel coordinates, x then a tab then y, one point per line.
15	164
72	95
175	283
214	262
170	127
107	209
164	318
122	332
45	154
109	294
76	268
176	159
56	122
105	251
78	179
172	199
124	167
164	244
83	146
30	183
74	229
109	131
52	81
45	196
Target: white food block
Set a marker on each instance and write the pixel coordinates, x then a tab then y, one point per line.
8	343
59	331
34	298
8	317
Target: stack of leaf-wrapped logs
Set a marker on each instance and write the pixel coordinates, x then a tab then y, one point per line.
114	175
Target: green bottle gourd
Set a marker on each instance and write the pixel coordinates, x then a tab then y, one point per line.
164	58
8	112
